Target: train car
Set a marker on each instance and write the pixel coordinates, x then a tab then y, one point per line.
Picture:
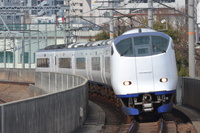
140	66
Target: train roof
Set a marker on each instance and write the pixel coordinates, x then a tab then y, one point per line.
140	30
95	43
79	44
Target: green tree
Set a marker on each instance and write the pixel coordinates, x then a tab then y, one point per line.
102	36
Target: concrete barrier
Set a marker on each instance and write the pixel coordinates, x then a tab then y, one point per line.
20	75
53	82
188	92
61	110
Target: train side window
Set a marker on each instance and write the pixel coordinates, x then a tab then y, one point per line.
107	64
64	62
96	63
124	47
159	44
43	62
80	63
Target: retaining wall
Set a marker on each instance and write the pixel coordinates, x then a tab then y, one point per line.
62	110
189	92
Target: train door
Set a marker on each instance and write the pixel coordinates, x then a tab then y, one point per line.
144	64
89	68
106	65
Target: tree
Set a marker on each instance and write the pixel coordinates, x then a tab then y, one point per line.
104	35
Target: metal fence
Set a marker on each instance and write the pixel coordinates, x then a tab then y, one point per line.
190	92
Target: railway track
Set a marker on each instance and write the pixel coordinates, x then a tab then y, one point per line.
160	126
173	122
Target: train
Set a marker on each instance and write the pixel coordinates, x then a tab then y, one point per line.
140	65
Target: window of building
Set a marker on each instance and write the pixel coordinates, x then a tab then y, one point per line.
26	57
9	57
17	17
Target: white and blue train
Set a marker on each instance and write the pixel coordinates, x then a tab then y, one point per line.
140	66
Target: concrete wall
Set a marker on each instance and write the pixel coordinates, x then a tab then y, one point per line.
188	92
17	74
62	110
53	82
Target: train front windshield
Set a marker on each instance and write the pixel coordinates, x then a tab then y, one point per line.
142	46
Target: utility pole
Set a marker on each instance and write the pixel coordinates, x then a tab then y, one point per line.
150	13
111	20
22	28
191	35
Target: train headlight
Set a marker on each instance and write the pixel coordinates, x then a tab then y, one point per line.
163	80
127	83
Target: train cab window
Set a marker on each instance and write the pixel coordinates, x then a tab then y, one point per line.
142	40
43	62
96	63
124	47
142	46
64	62
80	63
159	44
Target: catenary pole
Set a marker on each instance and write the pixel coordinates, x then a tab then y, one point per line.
191	35
22	28
150	13
111	20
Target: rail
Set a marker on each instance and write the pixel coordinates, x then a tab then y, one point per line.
160	126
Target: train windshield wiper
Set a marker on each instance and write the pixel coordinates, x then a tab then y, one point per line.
160	49
123	53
